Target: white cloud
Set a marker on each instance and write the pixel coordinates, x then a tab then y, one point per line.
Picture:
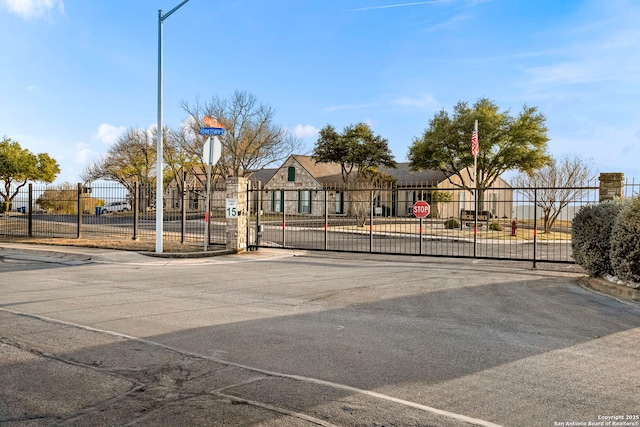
31	88
605	50
29	9
84	154
424	100
109	134
350	107
307	131
389	6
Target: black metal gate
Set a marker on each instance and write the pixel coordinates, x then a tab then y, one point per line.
524	224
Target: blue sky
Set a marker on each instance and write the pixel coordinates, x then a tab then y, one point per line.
75	73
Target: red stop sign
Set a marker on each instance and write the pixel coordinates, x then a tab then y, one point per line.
421	209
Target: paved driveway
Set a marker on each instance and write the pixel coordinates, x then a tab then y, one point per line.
293	338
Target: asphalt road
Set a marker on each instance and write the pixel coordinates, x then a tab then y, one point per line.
396	243
285	338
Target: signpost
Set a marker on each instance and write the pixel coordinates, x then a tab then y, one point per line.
211	153
421	209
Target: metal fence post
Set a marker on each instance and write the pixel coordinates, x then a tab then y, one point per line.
326	219
248	209
535	225
371	221
136	210
183	203
475	221
284	208
79	221
30	218
258	195
420	236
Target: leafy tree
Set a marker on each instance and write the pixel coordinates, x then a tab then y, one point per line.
438	197
359	153
63	199
555	185
506	143
356	149
18	166
251	141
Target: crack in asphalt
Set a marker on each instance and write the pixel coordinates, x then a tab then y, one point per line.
151	389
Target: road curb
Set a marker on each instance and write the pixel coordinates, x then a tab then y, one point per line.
202	254
613	289
48	252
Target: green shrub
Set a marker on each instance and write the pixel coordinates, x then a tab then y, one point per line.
625	242
495	226
590	237
451	223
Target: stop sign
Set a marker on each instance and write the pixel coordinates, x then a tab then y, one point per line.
421	209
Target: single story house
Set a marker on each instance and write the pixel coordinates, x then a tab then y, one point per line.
301	185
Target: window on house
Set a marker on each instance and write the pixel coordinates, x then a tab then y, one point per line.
291	174
463	194
304	201
277	201
339	202
411	199
494	204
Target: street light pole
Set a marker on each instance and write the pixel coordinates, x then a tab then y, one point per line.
159	150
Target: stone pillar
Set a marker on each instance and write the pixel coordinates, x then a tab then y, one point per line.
611	186
237	225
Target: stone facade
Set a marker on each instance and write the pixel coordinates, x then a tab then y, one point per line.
298	187
237	226
611	186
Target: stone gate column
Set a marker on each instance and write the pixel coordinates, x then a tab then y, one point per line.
236	221
611	186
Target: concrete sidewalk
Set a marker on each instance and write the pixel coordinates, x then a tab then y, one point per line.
79	253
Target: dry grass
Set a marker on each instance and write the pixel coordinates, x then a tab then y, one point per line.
141	245
438	230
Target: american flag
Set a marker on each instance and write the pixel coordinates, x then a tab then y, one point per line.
475	146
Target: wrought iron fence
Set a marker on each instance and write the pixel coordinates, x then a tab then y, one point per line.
532	224
108	210
631	188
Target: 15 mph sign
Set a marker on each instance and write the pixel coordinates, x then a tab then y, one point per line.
421	209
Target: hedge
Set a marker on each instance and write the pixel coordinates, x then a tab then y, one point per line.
590	237
625	242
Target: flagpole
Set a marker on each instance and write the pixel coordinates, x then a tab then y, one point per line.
475	193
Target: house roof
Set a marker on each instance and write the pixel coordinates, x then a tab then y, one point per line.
325	173
404	175
329	173
261	175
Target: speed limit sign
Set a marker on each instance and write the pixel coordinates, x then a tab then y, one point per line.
231	208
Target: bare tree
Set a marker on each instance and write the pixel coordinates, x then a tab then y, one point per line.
252	140
555	186
131	159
